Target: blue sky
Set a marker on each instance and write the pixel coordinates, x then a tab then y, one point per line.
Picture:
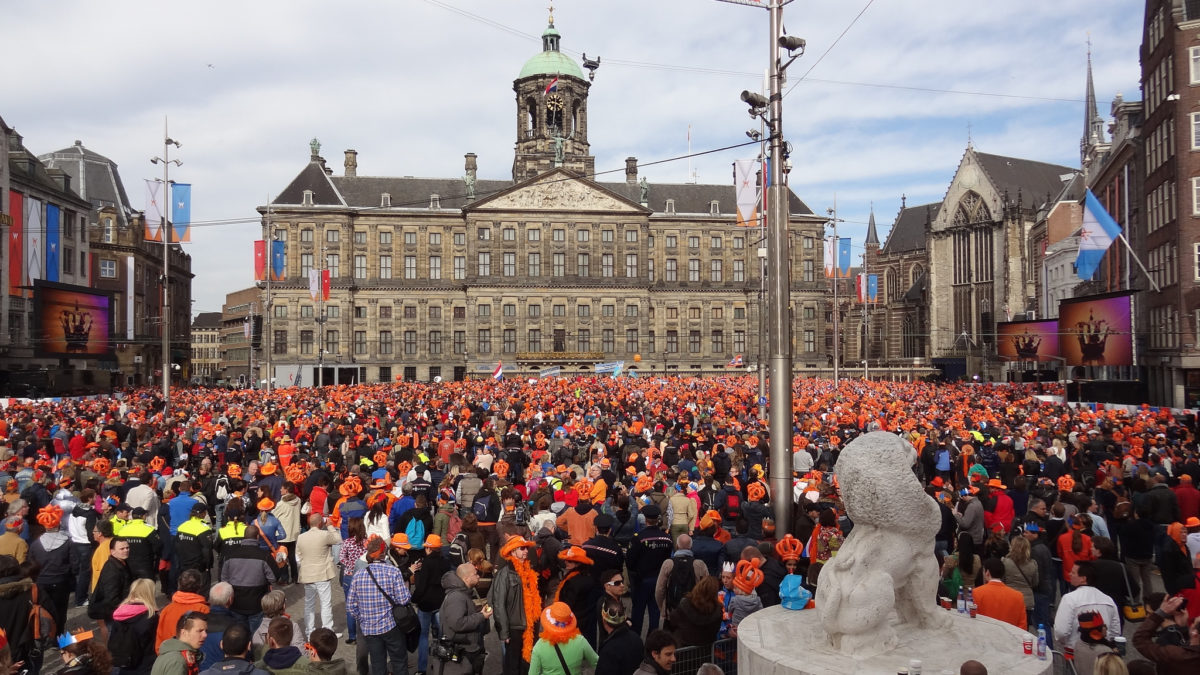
414	85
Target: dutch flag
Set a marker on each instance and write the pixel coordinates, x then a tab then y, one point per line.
553	86
498	373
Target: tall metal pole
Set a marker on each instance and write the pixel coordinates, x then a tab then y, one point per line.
837	310
779	330
268	310
165	224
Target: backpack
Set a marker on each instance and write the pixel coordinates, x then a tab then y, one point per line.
521	513
543	562
482	507
222	489
124	645
416	533
625	530
41	623
458	549
733	504
681	580
454	526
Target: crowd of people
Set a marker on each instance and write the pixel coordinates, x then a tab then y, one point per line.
598	522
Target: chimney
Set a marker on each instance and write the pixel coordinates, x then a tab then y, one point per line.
470	163
351	163
631	170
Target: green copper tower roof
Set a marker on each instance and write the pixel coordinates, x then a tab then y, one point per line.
550	61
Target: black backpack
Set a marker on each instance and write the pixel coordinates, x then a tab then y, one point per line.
458	549
681	580
733	504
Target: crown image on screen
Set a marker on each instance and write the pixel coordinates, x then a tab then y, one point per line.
1093	336
77	326
1027	345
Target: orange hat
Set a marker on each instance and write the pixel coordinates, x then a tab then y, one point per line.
400	540
433	541
714	515
558	623
380	458
937	481
575	554
380	484
747	575
157	464
789	548
513	544
267	469
605	463
1192	521
265	504
235	470
50	516
561	468
1066	483
101	465
756	492
349	489
706	522
584	488
995	483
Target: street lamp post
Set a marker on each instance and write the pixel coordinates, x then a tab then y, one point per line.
779	329
165	226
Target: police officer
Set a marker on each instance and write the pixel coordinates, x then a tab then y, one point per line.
145	546
647	551
194	543
232	531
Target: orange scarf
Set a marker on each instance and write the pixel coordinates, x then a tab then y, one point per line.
572	573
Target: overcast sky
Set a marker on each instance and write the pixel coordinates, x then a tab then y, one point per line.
414	84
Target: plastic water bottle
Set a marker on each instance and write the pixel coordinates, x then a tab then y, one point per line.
1041	644
962	601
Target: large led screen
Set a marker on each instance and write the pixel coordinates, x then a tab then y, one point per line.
1028	340
72	321
1096	330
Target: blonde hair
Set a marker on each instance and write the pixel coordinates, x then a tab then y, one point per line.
1019	551
142	591
1110	664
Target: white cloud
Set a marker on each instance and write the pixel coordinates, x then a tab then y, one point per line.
412	86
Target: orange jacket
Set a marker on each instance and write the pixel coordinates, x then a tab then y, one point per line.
1000	602
181	603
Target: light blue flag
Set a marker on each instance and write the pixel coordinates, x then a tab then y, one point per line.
872	288
53	241
1097	234
843	257
181	212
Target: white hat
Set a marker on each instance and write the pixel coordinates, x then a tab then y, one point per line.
728	567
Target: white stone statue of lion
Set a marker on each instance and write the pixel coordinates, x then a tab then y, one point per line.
885	576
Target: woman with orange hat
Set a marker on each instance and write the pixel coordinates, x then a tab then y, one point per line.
560	650
52	552
516	601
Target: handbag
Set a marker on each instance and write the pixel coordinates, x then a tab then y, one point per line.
1130	611
404	615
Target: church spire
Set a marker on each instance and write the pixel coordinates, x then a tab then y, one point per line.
872	235
1093	123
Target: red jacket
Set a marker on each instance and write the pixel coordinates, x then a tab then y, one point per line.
1189	500
1004	513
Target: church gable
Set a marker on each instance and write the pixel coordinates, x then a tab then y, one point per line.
559	191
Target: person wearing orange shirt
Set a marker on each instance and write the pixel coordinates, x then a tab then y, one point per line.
995	599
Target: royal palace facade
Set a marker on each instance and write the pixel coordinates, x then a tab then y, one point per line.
451	277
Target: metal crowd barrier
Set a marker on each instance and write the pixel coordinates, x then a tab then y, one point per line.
722	653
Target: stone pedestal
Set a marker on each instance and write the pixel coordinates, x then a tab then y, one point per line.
777	641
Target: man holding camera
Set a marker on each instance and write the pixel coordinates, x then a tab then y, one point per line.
460	650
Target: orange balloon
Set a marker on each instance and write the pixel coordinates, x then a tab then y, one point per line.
637	358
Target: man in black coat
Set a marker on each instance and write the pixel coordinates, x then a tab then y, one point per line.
604	551
647	551
621	649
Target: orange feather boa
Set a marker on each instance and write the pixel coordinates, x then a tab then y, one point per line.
532	600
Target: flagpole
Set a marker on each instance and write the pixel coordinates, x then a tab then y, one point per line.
1138	260
267	307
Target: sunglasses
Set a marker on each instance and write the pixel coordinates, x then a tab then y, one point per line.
618	582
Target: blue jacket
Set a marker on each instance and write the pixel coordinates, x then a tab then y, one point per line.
353	507
402	506
181	510
270	526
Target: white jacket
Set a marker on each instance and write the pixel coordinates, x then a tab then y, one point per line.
1083	599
